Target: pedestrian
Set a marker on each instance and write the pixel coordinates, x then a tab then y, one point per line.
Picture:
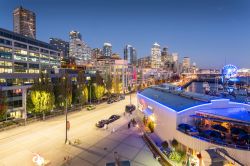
129	125
124	113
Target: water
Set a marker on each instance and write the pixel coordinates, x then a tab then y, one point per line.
197	87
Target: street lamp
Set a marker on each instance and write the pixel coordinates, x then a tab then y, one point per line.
88	78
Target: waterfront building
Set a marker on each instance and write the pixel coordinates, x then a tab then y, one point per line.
78	49
202	125
24	22
107	49
156	56
61	45
130	55
21	60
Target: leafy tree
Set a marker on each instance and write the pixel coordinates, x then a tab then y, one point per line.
42	95
59	99
117	85
99	91
29	104
80	87
85	93
67	89
3	104
151	126
109	83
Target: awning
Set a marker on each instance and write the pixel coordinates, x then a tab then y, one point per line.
219	120
147	112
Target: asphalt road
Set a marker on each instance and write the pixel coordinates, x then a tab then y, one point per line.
95	147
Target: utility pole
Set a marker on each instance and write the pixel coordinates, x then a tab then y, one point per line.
66	122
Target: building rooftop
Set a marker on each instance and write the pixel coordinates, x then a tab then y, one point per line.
18	37
176	100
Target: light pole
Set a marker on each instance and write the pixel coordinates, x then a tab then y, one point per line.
67	84
89	82
129	88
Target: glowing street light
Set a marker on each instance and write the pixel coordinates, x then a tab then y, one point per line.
38	160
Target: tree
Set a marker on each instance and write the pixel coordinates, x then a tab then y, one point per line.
59	100
117	86
78	89
109	83
42	95
99	91
3	104
29	104
67	89
129	89
85	94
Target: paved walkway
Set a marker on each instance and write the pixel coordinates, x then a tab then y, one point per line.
126	142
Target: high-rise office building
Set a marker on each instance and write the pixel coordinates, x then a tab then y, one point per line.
156	56
130	55
96	53
78	49
107	49
186	64
61	45
24	22
21	54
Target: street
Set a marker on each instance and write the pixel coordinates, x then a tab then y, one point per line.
90	145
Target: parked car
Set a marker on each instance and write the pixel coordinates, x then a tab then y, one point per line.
188	129
110	101
116	99
113	118
90	107
130	108
122	97
101	123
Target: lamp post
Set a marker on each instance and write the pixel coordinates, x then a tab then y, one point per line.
88	78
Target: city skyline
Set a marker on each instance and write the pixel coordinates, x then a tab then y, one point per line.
212	33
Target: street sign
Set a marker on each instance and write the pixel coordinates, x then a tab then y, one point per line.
68	125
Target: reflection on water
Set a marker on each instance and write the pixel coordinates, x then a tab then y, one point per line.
198	88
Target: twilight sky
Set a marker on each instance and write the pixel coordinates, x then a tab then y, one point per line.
211	32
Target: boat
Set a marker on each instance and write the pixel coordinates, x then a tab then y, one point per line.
205	85
220	87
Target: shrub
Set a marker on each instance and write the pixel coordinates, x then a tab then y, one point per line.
151	126
174	143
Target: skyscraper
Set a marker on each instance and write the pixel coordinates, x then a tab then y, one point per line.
130	54
156	56
24	22
107	49
61	45
186	64
96	53
78	49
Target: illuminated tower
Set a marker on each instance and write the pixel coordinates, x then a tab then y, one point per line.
24	22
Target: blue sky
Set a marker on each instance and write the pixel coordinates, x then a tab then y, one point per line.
211	32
